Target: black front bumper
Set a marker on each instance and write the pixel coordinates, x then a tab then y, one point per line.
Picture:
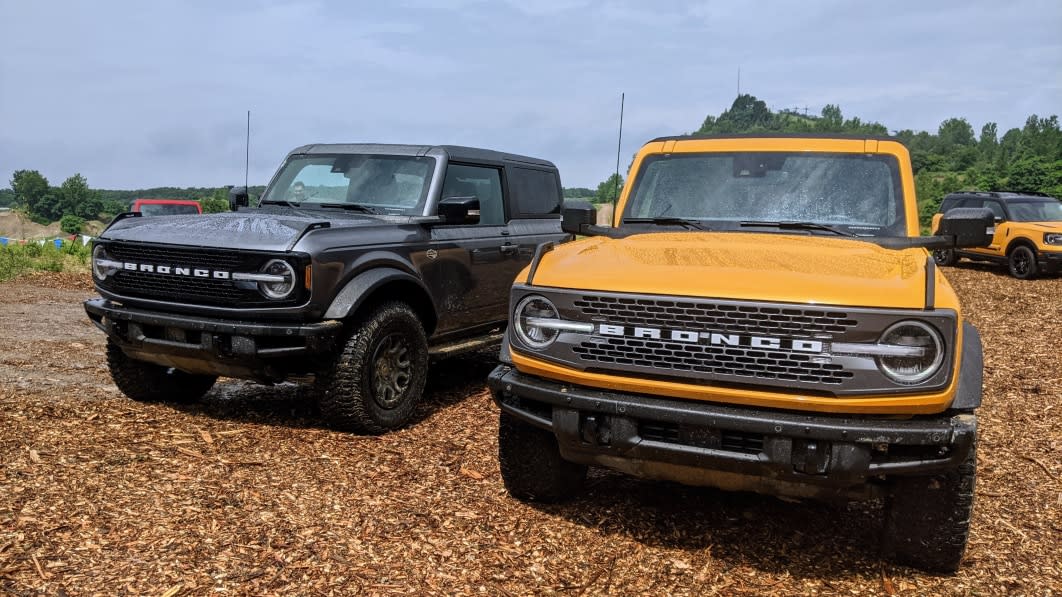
257	350
604	427
1050	261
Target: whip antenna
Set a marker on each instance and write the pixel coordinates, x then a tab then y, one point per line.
619	144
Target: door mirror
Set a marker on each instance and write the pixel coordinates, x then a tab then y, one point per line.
458	210
968	226
238	198
576	216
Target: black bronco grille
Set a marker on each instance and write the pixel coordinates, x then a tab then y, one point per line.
189	289
746	319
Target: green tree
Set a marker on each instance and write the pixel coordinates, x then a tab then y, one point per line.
75	197
609	189
71	224
30	189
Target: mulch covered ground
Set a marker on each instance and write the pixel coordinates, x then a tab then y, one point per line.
249	492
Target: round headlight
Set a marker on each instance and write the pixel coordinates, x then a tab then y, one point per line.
285	283
912	369
101	265
526	319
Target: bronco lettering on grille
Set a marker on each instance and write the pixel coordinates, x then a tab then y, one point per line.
176	270
713	338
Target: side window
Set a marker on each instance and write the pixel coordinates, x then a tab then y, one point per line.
535	192
481	182
997	209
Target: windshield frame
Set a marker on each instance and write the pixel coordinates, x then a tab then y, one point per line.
898	227
281	182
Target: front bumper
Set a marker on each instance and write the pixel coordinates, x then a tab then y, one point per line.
1050	261
669	438
257	350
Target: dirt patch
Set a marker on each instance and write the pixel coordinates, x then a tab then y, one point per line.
15	225
249	492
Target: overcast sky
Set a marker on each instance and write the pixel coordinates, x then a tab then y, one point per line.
139	94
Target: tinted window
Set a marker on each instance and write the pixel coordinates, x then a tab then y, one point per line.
1036	211
480	182
997	209
949	203
535	191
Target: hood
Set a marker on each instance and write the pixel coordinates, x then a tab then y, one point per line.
251	230
742	266
1045	226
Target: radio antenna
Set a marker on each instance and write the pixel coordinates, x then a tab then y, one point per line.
619	144
247	155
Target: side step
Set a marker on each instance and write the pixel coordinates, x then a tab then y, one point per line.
450	349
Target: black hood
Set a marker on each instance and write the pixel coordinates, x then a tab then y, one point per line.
251	229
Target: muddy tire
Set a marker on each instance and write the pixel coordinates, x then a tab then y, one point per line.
927	519
1022	263
531	465
148	382
377	380
945	257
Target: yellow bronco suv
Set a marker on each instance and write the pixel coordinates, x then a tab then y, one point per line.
1028	233
761	316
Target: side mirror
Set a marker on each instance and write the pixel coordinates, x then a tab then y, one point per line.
969	226
238	198
456	210
576	216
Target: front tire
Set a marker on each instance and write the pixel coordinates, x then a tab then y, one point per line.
148	382
927	519
1022	263
946	257
531	464
377	380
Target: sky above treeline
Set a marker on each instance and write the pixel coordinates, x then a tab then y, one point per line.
138	94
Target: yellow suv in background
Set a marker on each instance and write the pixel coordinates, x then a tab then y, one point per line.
1028	232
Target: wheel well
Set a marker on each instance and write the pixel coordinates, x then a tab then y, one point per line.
406	292
1020	242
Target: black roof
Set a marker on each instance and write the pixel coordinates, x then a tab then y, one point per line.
777	135
1001	195
455	152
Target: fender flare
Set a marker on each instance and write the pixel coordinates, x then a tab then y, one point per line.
362	285
971	370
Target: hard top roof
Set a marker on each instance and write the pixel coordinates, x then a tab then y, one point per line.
696	136
454	152
1001	195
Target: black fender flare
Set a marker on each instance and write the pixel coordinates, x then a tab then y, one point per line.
361	286
971	370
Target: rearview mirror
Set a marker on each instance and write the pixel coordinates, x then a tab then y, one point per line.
456	210
577	216
969	226
238	198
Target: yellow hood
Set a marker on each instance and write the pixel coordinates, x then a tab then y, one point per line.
743	266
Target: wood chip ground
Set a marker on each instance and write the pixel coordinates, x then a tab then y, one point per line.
249	493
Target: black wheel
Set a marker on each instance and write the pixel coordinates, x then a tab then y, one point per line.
148	382
531	464
945	257
1022	262
375	383
927	519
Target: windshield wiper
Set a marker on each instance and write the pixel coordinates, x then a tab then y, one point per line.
666	221
790	225
365	209
281	202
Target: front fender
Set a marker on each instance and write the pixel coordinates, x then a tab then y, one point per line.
971	370
362	286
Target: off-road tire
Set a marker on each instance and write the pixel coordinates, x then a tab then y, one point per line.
386	339
927	519
148	382
946	257
531	464
1022	263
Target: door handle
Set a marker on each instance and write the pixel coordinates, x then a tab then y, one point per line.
509	249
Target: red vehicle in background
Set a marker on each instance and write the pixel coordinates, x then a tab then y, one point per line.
167	207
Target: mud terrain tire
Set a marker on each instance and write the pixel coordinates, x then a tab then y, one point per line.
531	465
945	257
927	519
148	382
375	384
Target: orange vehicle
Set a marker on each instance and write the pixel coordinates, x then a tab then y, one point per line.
1027	237
761	316
167	207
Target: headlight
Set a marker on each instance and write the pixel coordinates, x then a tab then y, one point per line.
915	368
1052	238
102	267
278	280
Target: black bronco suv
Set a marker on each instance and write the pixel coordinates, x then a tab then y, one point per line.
360	262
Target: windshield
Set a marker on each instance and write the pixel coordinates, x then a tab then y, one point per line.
388	184
166	209
1036	211
857	193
